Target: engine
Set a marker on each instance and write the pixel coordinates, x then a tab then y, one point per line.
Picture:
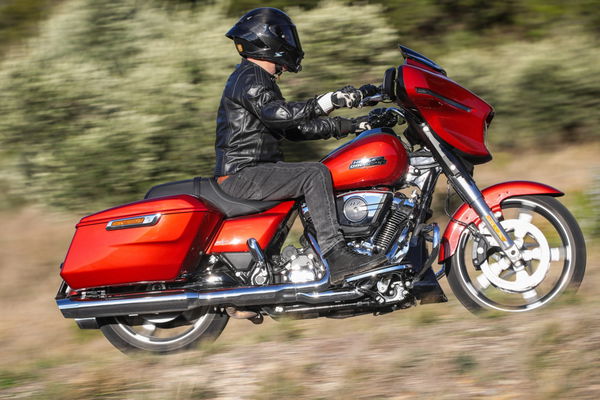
300	265
361	213
372	220
387	233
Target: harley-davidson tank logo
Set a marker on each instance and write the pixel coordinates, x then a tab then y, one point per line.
367	162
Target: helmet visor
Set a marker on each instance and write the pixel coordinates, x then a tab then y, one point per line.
288	34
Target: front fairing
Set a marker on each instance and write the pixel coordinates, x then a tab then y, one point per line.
456	115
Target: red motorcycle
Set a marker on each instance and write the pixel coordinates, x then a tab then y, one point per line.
166	272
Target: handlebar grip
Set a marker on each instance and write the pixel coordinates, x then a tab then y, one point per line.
372	100
369	90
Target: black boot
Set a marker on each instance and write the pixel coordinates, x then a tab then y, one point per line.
343	262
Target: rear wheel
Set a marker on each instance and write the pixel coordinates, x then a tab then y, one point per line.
164	333
553	248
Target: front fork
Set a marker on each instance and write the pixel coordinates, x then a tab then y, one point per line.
468	191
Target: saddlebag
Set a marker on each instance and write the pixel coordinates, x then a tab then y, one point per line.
152	240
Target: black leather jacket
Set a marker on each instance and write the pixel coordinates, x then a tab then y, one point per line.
254	117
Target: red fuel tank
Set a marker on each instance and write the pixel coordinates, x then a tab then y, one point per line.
376	157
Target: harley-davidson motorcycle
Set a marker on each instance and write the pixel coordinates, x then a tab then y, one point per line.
167	272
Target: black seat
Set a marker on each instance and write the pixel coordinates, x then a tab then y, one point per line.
208	189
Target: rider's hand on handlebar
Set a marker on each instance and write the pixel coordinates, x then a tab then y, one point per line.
378	118
361	124
347	96
350	125
368	91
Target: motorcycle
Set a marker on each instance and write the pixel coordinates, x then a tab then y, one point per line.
167	272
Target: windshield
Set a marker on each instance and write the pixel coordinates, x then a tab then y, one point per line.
413	55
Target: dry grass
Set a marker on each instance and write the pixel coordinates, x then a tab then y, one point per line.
437	351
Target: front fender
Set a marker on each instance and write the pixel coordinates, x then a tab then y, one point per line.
493	196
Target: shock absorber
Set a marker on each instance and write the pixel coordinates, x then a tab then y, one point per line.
394	223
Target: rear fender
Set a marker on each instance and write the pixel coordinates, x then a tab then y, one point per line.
494	196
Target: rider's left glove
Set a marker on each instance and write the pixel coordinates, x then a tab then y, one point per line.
346	126
361	124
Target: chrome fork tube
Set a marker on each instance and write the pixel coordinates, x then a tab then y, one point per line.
470	193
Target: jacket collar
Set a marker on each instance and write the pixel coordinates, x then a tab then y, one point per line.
249	64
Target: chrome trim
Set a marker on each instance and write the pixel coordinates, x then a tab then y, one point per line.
329	296
397	253
397	111
373	202
139	305
256	251
317	249
308	292
367	162
312	293
376	272
149	220
470	193
375	98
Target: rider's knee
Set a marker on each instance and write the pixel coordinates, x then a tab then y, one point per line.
321	170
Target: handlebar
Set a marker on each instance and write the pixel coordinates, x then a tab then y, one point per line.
367	100
386	117
398	111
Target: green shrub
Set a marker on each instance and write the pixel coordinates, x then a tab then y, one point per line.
115	96
464	363
542	91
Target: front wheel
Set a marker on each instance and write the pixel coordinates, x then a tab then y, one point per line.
163	333
553	249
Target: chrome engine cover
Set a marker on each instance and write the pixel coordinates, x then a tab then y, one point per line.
301	265
361	212
356	209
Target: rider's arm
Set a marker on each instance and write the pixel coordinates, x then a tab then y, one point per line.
292	120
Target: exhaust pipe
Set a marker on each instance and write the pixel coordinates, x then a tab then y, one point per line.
310	292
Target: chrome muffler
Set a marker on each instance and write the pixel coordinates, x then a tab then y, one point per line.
311	293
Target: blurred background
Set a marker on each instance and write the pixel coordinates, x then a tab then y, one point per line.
101	99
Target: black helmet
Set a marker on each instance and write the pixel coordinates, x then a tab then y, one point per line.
268	34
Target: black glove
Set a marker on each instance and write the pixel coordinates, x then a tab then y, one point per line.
369	90
347	96
383	118
350	125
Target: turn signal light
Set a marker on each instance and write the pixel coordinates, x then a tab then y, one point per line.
146	220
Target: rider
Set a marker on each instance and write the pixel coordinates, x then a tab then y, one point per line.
254	117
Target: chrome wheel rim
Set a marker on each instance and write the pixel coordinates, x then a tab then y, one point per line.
165	329
548	251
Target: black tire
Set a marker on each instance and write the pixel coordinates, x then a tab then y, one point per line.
561	267
178	332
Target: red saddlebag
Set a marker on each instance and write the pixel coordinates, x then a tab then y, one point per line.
152	240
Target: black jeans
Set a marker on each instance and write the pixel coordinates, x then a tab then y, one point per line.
284	181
